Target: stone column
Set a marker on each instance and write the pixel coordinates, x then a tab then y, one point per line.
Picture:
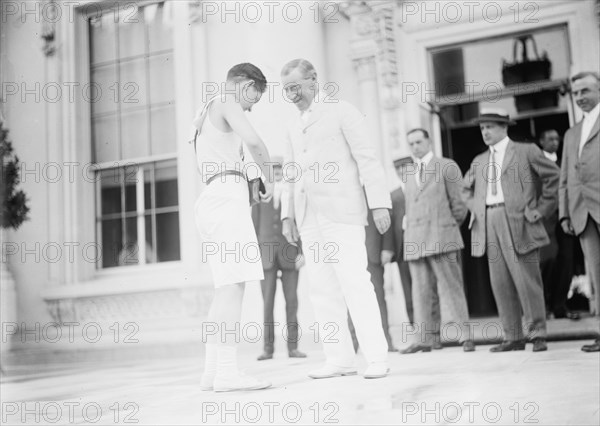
374	55
365	68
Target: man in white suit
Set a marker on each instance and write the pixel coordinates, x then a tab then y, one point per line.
332	153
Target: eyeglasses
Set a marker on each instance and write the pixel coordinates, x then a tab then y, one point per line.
294	87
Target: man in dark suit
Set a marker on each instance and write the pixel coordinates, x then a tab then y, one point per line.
277	256
394	239
432	242
557	258
507	211
376	245
579	189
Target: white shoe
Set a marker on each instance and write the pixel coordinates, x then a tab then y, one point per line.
328	371
206	382
376	370
239	382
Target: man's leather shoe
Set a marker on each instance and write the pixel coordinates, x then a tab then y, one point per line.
416	347
574	316
295	353
594	347
265	355
392	349
469	346
328	371
376	370
509	345
437	345
539	345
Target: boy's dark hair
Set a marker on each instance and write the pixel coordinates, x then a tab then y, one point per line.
247	71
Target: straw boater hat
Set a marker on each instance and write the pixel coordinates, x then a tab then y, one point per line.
496	115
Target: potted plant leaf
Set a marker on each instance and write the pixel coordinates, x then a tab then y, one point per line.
14	212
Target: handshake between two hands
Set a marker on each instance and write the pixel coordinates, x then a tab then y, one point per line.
267	194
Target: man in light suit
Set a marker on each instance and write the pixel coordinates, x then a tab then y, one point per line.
331	150
507	211
405	166
432	242
579	189
277	255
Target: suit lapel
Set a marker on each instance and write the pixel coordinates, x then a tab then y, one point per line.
508	156
593	132
577	139
298	142
481	176
411	190
315	116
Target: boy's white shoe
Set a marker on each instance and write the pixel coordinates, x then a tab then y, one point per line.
238	382
206	382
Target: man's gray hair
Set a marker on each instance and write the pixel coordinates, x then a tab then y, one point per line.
585	74
306	68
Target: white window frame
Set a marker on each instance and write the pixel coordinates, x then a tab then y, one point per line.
82	278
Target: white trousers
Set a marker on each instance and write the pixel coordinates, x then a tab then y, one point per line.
336	264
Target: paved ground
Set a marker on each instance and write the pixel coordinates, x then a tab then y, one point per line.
559	387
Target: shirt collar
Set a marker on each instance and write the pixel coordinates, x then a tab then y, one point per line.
500	147
311	108
425	159
593	114
550	155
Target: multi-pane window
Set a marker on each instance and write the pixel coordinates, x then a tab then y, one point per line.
138	214
132	82
133	133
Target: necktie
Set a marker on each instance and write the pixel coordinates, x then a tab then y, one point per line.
494	173
422	173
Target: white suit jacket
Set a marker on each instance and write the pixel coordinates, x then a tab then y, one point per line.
327	162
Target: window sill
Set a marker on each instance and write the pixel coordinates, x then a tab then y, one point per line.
133	279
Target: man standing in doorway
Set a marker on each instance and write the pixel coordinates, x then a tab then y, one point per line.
501	190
